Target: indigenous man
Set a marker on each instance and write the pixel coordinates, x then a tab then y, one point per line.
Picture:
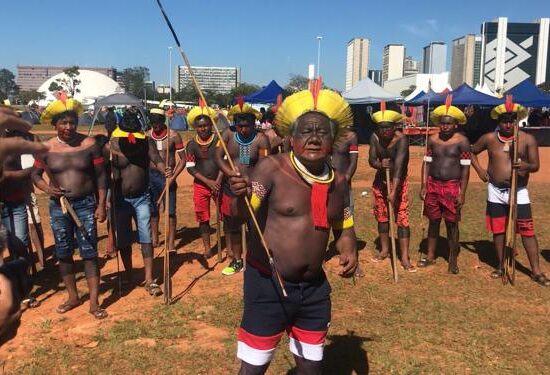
76	175
389	148
200	164
499	145
445	177
246	147
298	197
157	181
132	151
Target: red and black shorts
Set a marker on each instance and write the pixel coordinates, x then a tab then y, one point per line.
201	200
497	211
380	205
304	315
440	200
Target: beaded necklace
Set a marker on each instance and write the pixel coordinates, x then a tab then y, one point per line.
506	140
159	138
325	178
244	148
203	145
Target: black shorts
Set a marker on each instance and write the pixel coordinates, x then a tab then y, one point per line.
304	315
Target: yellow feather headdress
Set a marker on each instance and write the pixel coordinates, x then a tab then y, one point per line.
60	106
201	110
242	107
509	107
327	102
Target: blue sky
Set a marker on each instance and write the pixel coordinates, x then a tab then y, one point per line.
267	39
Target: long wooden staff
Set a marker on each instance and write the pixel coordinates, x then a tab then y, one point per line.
423	165
161	196
224	146
168	181
219	227
392	228
112	214
510	242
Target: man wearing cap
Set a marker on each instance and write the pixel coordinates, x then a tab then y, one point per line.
157	181
200	164
246	147
389	148
499	145
298	197
132	152
445	174
76	173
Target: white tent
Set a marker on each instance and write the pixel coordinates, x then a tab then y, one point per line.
366	91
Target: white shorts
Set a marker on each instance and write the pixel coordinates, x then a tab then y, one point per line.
502	195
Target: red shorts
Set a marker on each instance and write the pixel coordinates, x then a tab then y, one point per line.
380	207
440	200
225	205
201	199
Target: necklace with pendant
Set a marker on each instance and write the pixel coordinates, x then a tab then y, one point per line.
506	140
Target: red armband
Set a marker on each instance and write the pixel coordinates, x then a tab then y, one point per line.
353	149
465	158
98	160
179	146
190	161
39	164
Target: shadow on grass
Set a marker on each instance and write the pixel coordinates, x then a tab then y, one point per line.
345	355
546	254
332	251
189	287
486	253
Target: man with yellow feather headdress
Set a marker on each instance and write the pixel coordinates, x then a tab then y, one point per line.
499	146
445	175
297	197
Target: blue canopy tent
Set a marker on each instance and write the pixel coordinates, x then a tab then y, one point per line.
268	94
462	95
529	95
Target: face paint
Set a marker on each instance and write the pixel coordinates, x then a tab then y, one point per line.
312	139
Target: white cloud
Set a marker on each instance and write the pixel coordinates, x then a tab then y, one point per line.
425	28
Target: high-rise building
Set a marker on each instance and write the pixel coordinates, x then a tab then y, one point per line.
514	52
31	77
393	62
410	66
376	76
214	78
435	58
466	60
357	61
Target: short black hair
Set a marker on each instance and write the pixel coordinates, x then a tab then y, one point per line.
206	117
130	122
59	116
507	116
156	118
248	116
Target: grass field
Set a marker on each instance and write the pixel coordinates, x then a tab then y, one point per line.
428	323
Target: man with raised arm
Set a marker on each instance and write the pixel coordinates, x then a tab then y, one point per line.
389	148
445	175
499	145
246	147
297	197
75	169
200	164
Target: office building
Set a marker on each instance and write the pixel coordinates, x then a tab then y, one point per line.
393	61
435	58
466	60
213	78
357	61
514	52
31	77
376	76
410	66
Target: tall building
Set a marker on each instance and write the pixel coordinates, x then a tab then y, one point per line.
466	60
214	78
31	77
410	66
435	58
376	76
357	61
393	61
514	52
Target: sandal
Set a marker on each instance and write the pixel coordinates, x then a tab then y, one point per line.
31	302
99	313
153	289
379	258
425	262
497	273
110	255
359	272
409	268
67	306
541	279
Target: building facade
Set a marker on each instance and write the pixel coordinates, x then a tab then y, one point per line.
466	61
435	58
213	78
376	76
393	62
410	66
31	77
514	52
357	61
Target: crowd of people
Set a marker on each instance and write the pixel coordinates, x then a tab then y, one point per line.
294	173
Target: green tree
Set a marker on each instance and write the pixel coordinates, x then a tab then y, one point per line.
545	86
26	96
7	84
296	83
408	91
134	79
69	83
244	89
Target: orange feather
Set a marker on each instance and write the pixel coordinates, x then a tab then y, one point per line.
448	102
509	104
240	102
